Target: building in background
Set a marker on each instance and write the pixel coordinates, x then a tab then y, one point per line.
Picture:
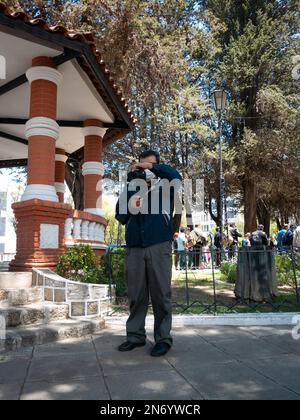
207	224
7	230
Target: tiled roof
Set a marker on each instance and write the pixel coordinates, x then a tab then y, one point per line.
85	37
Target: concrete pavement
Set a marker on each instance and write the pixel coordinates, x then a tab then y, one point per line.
216	362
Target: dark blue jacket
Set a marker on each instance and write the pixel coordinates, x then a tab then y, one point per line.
143	230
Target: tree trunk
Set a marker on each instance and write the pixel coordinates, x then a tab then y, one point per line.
216	219
250	194
176	222
278	223
75	182
263	215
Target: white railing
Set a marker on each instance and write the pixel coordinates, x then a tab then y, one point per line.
84	228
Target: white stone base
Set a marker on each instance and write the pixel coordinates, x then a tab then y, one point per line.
40	192
247	319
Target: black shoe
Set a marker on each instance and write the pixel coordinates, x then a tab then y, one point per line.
160	349
128	346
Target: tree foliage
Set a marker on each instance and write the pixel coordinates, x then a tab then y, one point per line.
168	56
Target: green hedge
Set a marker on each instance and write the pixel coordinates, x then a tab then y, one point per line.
229	272
80	263
285	270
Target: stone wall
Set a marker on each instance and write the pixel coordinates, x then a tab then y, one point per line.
84	299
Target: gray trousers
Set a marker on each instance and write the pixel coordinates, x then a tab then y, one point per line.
149	272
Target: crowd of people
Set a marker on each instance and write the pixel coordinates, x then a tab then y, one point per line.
192	247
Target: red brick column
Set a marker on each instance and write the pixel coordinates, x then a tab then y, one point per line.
40	217
92	169
42	130
60	162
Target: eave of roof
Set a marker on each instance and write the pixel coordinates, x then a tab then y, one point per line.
91	62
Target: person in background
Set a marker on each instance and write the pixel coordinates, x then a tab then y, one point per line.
234	236
296	239
218	246
181	245
200	240
287	240
175	249
280	236
189	250
246	241
206	256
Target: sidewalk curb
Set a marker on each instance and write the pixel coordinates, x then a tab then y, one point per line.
247	319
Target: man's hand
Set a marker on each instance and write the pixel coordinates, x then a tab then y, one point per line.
137	204
141	165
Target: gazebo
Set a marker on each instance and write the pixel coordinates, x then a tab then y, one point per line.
58	102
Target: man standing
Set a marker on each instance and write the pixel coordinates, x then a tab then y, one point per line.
149	254
234	236
287	240
218	246
280	236
181	241
189	250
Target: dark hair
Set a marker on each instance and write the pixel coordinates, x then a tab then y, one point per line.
182	229
148	153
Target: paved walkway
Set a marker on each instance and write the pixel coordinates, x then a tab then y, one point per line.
205	363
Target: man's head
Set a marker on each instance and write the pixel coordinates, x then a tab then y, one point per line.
285	226
217	229
260	227
150	156
182	230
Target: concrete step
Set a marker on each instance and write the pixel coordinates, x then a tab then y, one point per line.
4	266
29	336
17	280
18	297
36	313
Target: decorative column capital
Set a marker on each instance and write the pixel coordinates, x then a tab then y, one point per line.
92	168
44	73
94	131
42	126
61	158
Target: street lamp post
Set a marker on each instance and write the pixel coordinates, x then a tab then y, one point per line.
219	98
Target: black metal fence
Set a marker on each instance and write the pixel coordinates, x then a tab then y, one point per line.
212	281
